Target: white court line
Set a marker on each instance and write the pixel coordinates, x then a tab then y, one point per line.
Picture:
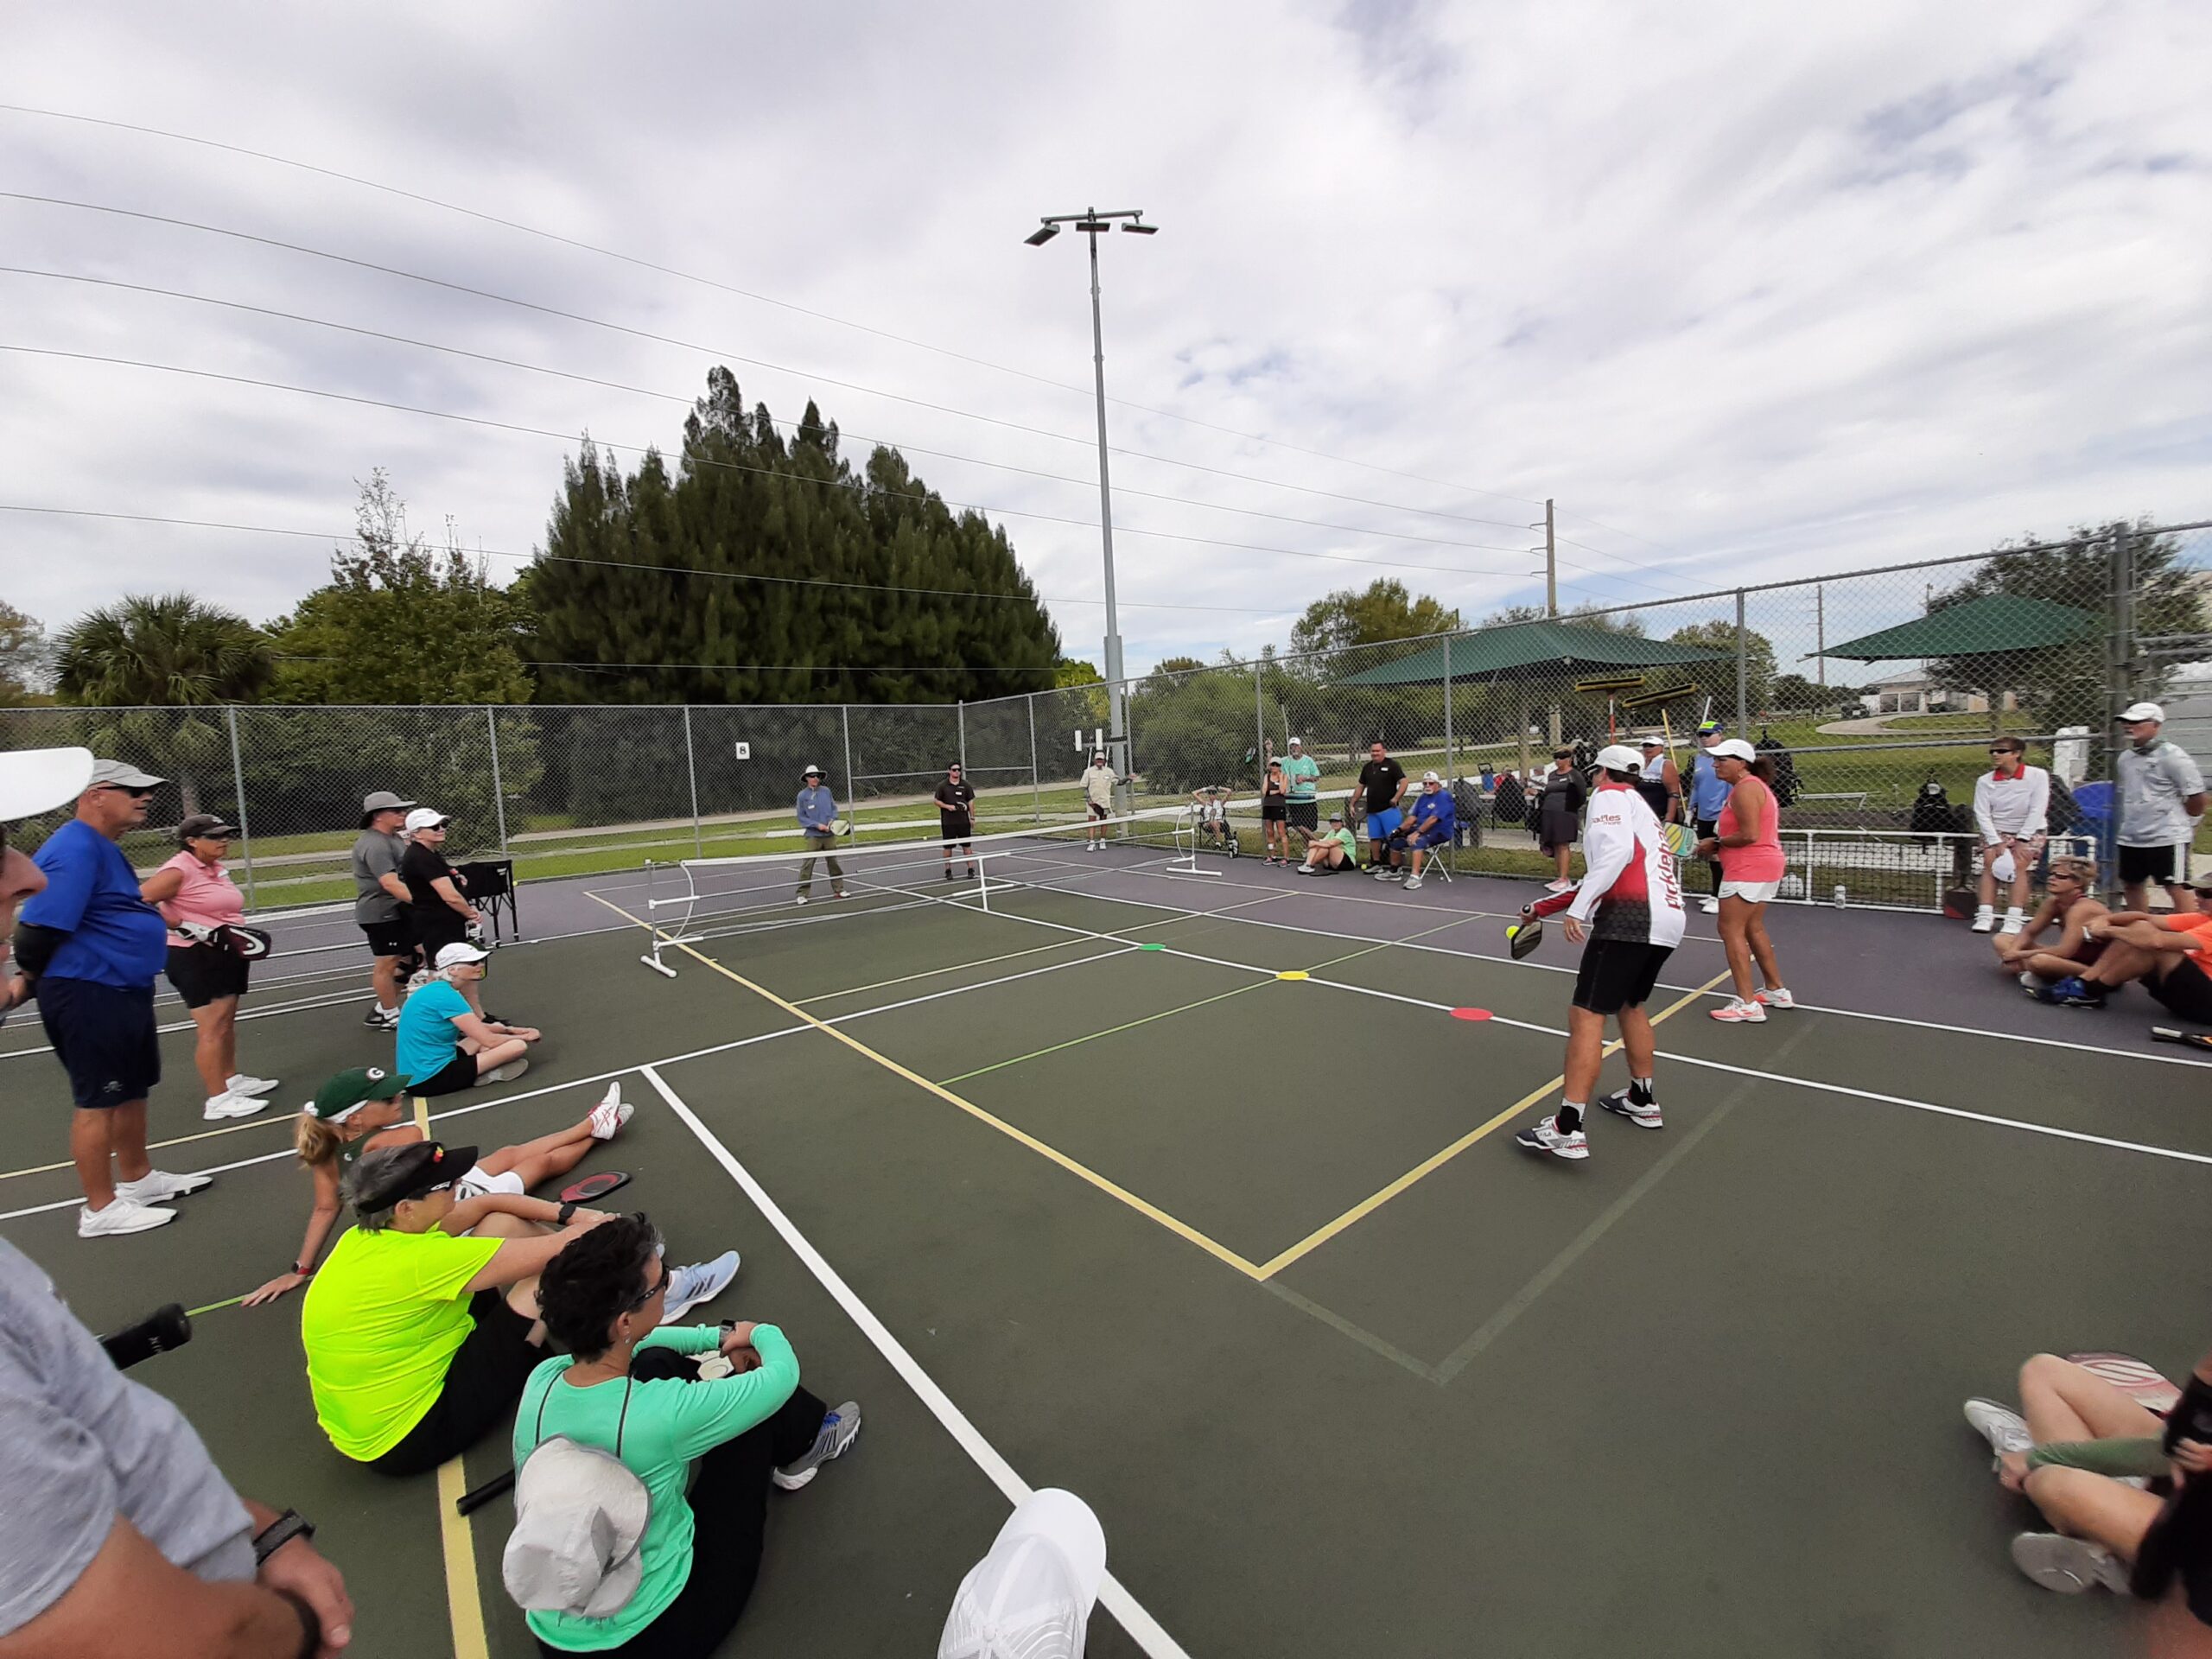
325	999
1143	1629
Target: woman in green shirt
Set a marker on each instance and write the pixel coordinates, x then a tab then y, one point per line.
625	1389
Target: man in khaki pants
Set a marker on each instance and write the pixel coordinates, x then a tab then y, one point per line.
818	810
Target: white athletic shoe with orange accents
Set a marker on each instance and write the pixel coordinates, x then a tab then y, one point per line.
1739	1014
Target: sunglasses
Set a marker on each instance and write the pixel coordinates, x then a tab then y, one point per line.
653	1290
126	789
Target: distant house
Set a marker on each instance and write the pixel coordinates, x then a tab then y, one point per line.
1915	694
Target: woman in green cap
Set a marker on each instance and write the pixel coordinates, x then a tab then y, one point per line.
367	1106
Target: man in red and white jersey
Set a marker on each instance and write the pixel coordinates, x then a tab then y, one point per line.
1628	905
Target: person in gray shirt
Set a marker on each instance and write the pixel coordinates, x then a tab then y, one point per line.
380	901
115	1511
2161	798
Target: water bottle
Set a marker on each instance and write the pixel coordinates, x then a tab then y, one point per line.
1839	895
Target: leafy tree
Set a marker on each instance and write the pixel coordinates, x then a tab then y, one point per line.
400	622
1718	679
1191	729
1795	693
1383	611
1073	671
1176	666
23	657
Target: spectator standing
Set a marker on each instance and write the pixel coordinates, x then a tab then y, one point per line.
1661	781
119	1533
2161	798
1428	825
1382	784
2012	810
956	801
1558	815
438	910
194	891
380	900
1098	781
817	814
1709	793
1274	814
1747	842
89	949
1301	778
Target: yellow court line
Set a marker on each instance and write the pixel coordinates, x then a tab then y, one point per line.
464	1602
1429	1165
1083	1171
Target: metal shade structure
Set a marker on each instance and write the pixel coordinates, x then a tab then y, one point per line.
1552	649
1990	627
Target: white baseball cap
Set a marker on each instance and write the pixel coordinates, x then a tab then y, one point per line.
1736	746
1297	742
2135	711
425	817
1618	757
1655	741
1030	1596
1430	778
460	951
33	780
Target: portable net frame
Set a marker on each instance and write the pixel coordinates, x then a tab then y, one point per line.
694	900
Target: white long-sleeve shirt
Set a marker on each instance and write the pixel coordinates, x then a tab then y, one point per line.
1630	883
2018	805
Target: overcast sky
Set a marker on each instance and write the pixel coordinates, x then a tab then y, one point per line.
1752	290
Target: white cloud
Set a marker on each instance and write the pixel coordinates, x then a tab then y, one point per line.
1780	292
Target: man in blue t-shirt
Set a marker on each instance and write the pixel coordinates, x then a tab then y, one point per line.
1429	822
90	949
1709	793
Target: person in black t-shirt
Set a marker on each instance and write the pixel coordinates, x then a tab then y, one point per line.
438	910
1383	781
956	800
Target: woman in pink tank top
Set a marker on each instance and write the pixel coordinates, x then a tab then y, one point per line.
1747	839
193	890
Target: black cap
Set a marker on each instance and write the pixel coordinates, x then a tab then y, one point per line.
205	824
389	1175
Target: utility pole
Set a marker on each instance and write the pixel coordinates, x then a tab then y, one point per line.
1092	223
1821	631
1551	564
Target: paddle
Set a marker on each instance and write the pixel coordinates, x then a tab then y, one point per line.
594	1186
1523	937
2185	1039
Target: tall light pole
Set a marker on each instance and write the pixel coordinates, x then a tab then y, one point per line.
1093	224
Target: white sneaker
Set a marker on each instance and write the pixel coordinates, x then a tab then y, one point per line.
1380	872
507	1074
2014	921
700	1282
1545	1136
1983	920
1413	884
245	1083
156	1186
2068	1565
2031	982
608	1117
121	1216
1739	1014
799	899
1557	885
1775	997
2003	1428
1709	905
231	1103
1644	1114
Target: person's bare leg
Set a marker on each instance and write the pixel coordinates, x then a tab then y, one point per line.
2121	963
1560	857
207	1048
89	1149
228	1037
126	1139
1763	949
1735	917
543	1159
1637	1042
2023	877
492	1059
1985	887
384	979
2094	1507
1585	1053
2045	964
2132	895
2064	1401
2184	898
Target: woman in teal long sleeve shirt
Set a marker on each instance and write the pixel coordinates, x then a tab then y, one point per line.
754	1425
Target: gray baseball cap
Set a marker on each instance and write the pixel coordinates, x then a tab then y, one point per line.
121	774
383	800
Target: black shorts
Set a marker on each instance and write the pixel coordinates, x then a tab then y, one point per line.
2145	864
455	1075
203	973
1098	811
1618	974
1273	809
433	931
484	1379
2185	992
950	828
104	1037
391	939
1305	815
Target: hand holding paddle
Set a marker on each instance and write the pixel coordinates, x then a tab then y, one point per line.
1523	937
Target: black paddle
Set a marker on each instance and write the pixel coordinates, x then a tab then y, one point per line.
2185	1039
594	1186
1524	936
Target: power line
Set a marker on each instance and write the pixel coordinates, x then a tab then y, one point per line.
765	668
731	466
766	299
675	398
628	564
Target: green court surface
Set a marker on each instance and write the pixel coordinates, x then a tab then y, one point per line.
1251	1263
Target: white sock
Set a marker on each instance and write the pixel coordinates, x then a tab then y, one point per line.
1985	913
2014	921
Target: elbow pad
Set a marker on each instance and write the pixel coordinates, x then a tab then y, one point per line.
34	947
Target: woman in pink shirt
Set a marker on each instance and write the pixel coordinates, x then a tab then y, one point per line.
193	890
1747	839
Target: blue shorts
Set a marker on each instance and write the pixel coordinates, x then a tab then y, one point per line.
1428	838
104	1037
1381	826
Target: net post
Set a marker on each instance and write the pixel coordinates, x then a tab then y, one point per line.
984	880
1036	793
691	771
652	958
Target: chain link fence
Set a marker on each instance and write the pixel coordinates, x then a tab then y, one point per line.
1876	693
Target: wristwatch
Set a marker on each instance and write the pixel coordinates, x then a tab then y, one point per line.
280	1532
566	1211
303	1269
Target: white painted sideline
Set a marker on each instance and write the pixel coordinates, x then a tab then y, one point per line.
1143	1629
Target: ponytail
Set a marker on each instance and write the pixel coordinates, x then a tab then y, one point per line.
1763	769
316	1141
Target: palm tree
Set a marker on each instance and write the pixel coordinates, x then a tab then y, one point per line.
161	651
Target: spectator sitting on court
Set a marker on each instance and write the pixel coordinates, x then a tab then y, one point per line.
2170	954
1334	848
817	818
1429	822
438	912
2012	812
380	901
445	1044
649	1557
2161	798
1383	786
2070	907
2081	1449
360	1111
420	1327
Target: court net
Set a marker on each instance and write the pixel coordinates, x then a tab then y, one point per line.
695	899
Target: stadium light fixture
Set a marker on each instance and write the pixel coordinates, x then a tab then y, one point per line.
1039	237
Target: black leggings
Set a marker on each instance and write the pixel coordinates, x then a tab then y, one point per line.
729	1519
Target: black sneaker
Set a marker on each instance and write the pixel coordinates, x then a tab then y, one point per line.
948	874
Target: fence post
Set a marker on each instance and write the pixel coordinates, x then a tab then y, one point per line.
1259	721
238	782
1451	768
960	712
691	770
2119	665
499	793
1743	677
1036	794
852	785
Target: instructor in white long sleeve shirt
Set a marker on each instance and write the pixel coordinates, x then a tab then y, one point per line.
2012	810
